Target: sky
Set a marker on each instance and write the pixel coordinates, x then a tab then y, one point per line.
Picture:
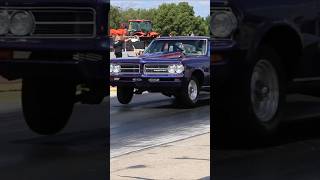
201	7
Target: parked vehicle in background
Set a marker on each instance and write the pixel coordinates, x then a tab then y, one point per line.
262	50
137	32
175	66
142	28
138	27
65	45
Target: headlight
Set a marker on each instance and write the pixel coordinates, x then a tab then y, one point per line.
22	23
179	69
172	69
176	68
4	22
223	23
115	68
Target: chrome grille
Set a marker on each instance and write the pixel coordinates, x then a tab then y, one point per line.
156	69
60	22
129	68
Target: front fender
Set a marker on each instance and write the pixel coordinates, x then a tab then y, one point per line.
262	31
264	28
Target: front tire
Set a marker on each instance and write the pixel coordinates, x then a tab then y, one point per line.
47	104
265	94
254	107
188	96
124	94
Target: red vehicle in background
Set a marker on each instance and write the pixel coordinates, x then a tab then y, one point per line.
122	31
138	34
140	29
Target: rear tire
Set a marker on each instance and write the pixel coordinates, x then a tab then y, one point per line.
47	104
124	94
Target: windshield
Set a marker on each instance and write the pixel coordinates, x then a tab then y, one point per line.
188	47
140	26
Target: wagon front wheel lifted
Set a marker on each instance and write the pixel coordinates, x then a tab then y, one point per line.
124	94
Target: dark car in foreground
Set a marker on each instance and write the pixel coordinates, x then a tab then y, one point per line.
262	50
59	50
175	66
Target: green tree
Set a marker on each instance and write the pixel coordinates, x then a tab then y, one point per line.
179	18
114	17
168	17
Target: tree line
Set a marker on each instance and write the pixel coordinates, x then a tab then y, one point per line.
179	19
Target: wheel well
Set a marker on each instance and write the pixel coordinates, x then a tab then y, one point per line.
287	43
199	75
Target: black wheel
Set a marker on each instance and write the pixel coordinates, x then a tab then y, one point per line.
266	93
124	94
256	103
189	94
47	104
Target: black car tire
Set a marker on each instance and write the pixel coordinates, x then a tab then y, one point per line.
267	128
240	122
184	98
124	94
262	122
47	104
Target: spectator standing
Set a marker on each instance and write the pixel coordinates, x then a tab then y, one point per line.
118	46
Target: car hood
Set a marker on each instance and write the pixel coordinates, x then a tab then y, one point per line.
167	58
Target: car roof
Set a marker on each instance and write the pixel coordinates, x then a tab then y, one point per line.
183	38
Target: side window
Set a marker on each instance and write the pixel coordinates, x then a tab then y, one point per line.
157	48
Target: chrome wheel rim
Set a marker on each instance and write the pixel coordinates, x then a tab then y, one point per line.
193	90
264	91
